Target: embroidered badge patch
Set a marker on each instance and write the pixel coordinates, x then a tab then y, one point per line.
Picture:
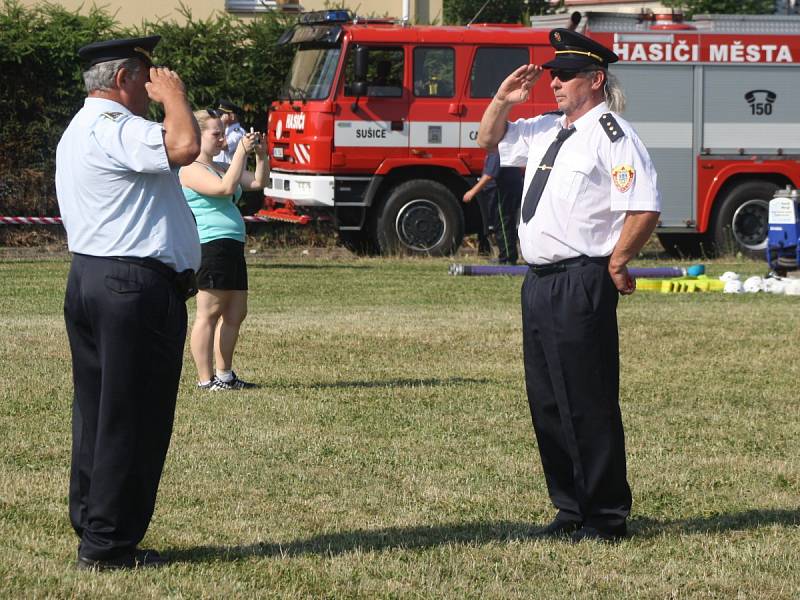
623	176
112	115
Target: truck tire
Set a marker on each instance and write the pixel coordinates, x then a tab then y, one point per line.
741	219
420	217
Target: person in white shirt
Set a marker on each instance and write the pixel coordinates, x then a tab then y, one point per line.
590	202
135	248
229	114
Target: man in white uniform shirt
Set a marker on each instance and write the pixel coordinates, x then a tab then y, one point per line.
234	132
590	203
135	246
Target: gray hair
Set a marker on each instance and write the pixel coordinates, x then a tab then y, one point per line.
101	76
614	94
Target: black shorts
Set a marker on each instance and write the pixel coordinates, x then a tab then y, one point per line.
222	266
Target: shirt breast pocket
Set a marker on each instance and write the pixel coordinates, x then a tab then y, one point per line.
574	180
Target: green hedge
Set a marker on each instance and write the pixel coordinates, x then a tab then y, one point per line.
41	86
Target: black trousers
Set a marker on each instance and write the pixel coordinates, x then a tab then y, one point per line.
571	353
126	326
500	211
487	204
509	198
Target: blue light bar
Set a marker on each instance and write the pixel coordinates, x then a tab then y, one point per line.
318	17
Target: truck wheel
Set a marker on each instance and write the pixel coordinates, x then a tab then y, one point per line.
742	219
420	217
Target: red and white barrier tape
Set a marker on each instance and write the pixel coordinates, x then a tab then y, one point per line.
30	220
57	220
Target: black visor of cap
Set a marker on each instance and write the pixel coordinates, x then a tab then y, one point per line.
99	52
575	52
228	107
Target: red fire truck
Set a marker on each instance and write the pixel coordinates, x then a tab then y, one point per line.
377	121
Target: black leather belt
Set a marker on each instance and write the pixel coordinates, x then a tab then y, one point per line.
185	282
567	263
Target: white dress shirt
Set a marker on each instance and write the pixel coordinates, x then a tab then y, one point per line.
117	193
594	181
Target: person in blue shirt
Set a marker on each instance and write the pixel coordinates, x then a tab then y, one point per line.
211	189
500	190
134	249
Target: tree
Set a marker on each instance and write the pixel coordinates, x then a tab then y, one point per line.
723	7
544	7
461	12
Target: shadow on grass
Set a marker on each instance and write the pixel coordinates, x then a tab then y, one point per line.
363	540
396	383
327	266
749	519
474	534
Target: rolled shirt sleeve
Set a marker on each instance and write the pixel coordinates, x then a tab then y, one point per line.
514	147
132	143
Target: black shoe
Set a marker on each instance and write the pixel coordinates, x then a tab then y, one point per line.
559	528
137	559
588	533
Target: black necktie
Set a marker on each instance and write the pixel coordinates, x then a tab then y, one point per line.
542	173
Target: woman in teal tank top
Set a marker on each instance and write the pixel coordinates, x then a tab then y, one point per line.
211	189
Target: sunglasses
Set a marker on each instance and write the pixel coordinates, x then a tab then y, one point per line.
564	75
212	113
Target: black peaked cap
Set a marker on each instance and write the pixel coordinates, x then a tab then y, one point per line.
100	52
228	107
575	52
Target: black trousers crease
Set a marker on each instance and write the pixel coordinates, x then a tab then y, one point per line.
571	354
126	327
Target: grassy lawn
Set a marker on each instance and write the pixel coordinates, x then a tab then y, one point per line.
389	451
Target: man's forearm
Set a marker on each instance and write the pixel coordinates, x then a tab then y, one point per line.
181	132
637	229
493	124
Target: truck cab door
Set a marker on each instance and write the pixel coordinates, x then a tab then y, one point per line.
371	124
433	114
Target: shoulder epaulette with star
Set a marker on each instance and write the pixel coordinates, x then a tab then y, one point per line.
611	127
112	115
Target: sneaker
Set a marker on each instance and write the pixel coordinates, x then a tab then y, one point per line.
234	384
215	385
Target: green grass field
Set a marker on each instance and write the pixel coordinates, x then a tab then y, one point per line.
389	451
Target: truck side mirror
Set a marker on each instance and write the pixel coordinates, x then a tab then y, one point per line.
362	59
360	76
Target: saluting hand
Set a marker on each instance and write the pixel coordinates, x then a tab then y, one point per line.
164	85
517	87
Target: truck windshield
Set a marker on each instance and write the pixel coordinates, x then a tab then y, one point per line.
312	72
